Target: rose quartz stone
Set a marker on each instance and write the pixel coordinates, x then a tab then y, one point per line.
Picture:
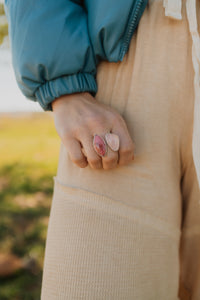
112	141
99	145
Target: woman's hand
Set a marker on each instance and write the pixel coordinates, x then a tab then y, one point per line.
78	117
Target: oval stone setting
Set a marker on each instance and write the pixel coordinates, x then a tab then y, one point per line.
112	141
99	145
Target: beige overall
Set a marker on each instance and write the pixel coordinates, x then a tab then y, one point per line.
133	232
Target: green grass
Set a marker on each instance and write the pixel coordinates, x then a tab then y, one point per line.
29	147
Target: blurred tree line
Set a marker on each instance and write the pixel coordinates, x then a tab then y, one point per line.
3	24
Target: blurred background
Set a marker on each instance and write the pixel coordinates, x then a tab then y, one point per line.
29	149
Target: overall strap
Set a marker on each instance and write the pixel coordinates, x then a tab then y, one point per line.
193	26
173	10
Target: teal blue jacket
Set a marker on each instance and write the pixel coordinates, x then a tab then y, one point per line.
56	45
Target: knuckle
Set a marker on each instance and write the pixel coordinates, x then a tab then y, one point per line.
83	165
126	151
95	163
79	160
110	161
96	166
110	164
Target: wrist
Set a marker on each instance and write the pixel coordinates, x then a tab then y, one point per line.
60	101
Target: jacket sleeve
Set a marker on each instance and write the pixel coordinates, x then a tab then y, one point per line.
51	50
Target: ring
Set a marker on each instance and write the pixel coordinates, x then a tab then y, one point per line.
112	140
99	145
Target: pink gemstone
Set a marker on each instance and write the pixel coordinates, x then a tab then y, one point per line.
99	145
112	141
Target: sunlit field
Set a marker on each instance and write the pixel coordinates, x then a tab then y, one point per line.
29	149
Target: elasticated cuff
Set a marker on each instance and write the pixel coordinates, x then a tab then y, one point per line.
80	82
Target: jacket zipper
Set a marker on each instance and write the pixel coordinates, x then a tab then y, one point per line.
131	29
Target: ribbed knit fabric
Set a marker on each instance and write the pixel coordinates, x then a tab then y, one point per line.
133	232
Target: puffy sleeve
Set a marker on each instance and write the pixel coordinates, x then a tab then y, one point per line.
51	50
